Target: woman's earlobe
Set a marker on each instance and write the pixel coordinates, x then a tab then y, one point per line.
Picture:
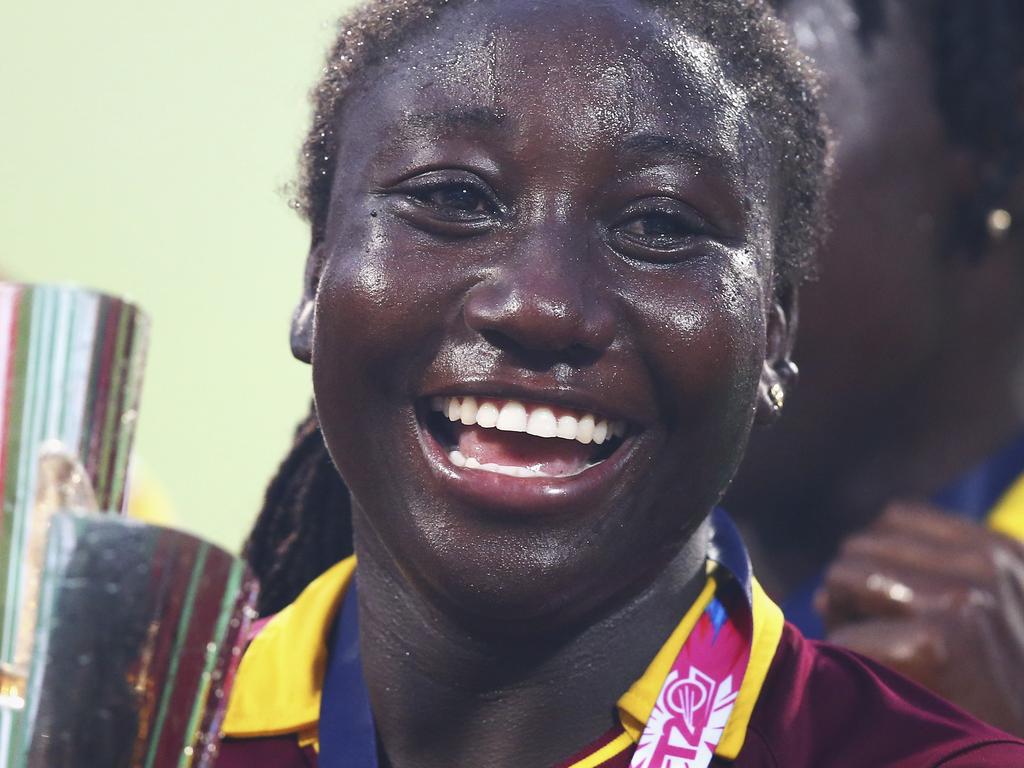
302	330
779	373
771	394
302	319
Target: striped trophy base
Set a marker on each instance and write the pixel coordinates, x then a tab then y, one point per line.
137	631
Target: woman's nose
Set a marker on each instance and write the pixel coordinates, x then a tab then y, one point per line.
544	300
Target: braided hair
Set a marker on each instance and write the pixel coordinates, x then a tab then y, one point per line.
305	524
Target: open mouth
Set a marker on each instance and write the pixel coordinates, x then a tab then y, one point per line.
521	439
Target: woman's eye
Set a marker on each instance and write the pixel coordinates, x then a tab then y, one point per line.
659	231
458	198
657	226
447	203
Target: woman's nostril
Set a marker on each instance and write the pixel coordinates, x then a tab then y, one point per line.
496	339
549	341
582	355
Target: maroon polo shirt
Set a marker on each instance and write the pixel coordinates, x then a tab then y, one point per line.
821	707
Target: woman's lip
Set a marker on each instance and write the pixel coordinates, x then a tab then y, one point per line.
504	494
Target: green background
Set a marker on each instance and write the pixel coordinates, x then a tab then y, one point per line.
145	151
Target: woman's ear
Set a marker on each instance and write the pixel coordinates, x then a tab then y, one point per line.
779	373
302	318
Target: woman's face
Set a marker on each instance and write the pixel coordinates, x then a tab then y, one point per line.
561	211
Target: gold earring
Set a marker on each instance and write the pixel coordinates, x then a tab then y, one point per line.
777	395
998	223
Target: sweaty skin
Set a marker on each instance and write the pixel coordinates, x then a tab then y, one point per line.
910	361
562	204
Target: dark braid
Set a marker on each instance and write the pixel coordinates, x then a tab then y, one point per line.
305	524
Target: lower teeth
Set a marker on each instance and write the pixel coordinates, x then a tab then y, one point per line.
456	458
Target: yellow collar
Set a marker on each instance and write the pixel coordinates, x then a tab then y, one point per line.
1007	516
275	692
277	685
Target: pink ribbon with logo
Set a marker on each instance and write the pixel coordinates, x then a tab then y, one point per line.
698	695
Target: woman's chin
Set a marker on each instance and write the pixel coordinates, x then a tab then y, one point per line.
532	586
507	587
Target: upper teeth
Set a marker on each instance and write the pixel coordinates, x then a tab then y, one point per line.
539	420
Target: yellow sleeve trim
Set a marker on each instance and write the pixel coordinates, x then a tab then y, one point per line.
278	683
605	753
636	704
768	623
1007	516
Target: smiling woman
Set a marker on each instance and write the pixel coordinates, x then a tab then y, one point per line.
591	272
551	284
688	190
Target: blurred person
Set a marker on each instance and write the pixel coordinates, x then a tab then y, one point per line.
894	488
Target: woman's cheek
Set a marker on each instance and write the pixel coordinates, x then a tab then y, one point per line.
375	303
715	334
716	367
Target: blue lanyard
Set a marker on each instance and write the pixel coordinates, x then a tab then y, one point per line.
348	738
728	550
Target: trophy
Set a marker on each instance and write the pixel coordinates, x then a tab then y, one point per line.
139	631
117	639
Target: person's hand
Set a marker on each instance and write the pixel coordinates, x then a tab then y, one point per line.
938	599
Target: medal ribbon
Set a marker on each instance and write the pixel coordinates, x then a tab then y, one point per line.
698	695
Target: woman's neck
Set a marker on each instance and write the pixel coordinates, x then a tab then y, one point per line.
445	696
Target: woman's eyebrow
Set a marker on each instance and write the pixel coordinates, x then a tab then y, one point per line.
454	119
662	148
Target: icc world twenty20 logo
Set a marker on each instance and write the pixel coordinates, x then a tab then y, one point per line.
687	721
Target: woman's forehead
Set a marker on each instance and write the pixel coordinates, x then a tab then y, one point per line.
582	70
